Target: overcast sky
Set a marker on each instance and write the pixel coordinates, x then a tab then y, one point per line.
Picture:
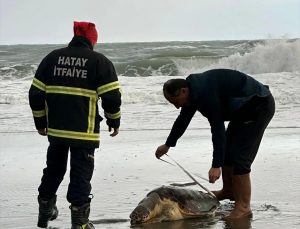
51	21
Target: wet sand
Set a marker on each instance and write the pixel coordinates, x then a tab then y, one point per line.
126	170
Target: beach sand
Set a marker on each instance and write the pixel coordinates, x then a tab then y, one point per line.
126	170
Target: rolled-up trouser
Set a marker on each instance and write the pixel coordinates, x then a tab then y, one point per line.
81	172
245	131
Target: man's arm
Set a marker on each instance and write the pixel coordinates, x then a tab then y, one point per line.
109	91
37	96
180	125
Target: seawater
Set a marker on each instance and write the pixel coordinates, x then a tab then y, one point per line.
144	67
125	167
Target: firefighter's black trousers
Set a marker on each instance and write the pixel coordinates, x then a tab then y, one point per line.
81	172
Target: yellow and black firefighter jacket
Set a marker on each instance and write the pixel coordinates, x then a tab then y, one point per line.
65	91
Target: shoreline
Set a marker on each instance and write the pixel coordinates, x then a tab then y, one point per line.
126	170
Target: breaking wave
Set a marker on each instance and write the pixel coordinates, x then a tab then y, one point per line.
272	56
168	58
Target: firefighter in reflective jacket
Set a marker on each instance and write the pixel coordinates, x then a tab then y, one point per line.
63	97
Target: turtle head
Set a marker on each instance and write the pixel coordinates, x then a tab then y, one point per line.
139	215
146	210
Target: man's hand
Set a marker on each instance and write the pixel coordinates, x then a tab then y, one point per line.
214	174
161	150
115	131
43	131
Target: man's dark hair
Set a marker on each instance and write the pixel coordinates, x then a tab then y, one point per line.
172	86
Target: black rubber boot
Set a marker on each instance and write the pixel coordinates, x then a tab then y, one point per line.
80	217
47	211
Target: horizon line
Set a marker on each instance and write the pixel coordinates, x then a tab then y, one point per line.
157	41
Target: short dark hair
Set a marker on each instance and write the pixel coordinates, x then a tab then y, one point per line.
172	86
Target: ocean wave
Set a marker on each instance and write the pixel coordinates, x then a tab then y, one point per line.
272	56
169	58
252	57
17	71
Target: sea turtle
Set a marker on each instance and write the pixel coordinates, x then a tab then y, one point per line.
169	203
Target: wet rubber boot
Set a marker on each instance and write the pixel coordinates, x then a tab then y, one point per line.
227	191
80	217
242	196
47	211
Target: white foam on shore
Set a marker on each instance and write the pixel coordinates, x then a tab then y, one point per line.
144	106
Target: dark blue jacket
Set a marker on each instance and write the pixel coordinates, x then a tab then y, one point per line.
217	94
65	91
